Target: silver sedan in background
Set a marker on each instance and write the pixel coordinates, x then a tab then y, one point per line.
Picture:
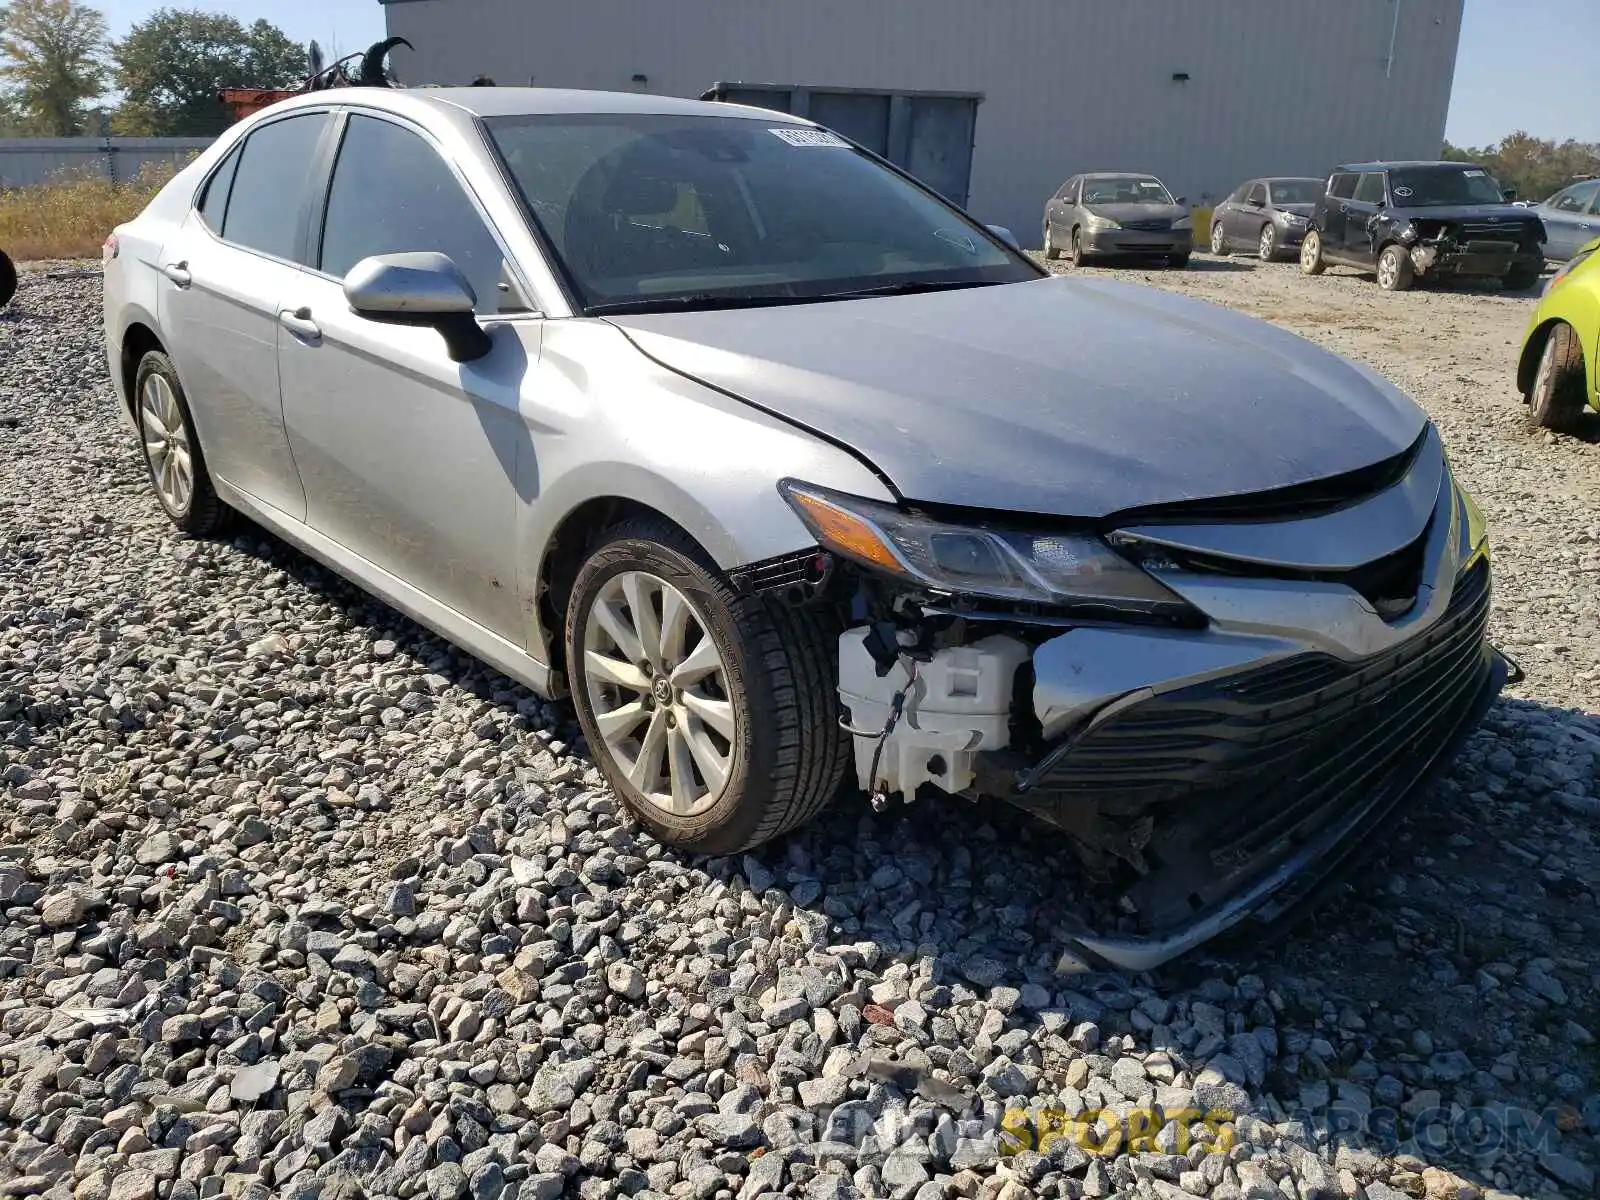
1266	216
787	470
1109	213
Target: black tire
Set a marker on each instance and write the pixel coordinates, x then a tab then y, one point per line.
1219	239
1078	256
1051	250
8	279
1311	260
1267	244
1178	261
1520	279
204	514
789	754
1559	392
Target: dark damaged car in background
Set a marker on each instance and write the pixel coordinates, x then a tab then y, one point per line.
787	472
1406	221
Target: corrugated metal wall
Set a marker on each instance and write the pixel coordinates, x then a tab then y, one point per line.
27	162
1274	86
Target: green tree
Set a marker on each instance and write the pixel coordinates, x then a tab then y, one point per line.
1536	167
51	55
171	67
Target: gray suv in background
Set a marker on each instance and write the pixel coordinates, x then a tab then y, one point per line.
786	471
1108	214
1267	216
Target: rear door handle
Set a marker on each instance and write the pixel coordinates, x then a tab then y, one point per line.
178	273
298	322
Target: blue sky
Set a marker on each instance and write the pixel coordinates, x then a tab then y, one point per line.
1523	64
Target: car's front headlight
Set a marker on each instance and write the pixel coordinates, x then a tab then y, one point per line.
1096	222
1183	223
1293	218
1055	569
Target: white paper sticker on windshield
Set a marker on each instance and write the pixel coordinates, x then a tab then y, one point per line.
796	136
1402	191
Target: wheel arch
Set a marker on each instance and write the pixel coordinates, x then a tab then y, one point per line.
138	339
565	542
1533	350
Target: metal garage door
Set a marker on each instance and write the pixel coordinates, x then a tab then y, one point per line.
929	134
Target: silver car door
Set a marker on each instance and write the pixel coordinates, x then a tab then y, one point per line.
225	273
416	463
1564	215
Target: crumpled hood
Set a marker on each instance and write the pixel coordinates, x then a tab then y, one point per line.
1065	397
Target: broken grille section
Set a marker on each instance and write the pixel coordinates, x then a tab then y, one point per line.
1242	770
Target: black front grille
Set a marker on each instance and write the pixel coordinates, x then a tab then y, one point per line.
1241	770
1148	225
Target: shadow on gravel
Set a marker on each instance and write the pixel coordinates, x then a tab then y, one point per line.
1444	1002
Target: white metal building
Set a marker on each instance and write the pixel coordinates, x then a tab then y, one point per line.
996	102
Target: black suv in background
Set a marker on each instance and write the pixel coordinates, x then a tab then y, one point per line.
1423	220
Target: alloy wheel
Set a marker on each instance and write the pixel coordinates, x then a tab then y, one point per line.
166	443
1269	243
659	690
1388	269
1219	240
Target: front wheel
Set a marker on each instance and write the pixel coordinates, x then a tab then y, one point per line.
8	280
1078	254
1520	279
1395	273
1219	239
1051	251
1556	399
1267	247
714	715
1311	260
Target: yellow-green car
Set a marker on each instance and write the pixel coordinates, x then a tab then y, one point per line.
1559	372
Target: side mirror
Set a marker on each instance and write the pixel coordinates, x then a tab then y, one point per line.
419	289
1181	200
1509	193
1006	236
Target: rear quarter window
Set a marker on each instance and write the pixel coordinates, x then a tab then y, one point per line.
214	200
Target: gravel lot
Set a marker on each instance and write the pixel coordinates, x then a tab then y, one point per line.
298	901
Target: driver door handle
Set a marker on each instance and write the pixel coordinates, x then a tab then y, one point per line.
298	322
178	273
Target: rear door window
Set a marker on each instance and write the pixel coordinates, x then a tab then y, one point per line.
266	204
1370	189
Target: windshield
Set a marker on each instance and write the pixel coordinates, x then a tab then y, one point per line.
1125	189
649	211
1296	191
1433	186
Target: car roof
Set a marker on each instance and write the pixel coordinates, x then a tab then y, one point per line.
533	101
1114	175
1288	179
1407	163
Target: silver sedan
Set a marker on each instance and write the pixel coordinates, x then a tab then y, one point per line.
786	470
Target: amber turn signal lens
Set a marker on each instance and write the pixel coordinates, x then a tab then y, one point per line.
845	532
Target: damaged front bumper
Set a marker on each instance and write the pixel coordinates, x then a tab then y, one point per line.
1443	258
1212	777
